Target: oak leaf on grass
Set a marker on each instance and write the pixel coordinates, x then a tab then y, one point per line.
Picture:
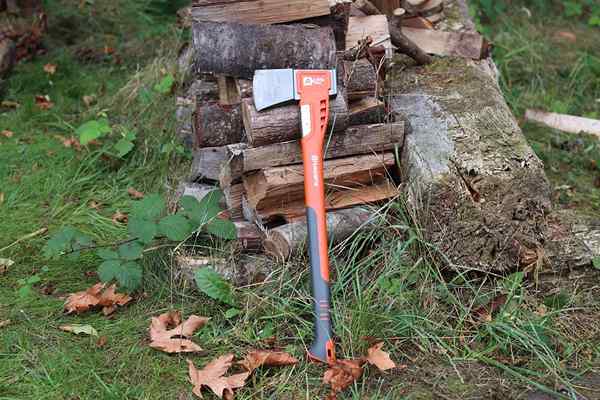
258	358
176	339
342	374
379	358
95	297
212	376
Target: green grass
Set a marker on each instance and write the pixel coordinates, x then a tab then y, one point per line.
385	286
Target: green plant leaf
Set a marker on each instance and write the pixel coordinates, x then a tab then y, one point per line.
201	212
594	20
175	227
232	312
130	251
150	207
59	242
130	275
107	254
214	286
222	228
93	130
596	262
109	270
144	229
573	8
79	329
165	85
123	147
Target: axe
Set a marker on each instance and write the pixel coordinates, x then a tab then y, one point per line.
312	88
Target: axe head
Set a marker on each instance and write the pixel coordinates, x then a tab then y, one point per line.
275	86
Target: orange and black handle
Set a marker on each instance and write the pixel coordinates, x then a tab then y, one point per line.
313	88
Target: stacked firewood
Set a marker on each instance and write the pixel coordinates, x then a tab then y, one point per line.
255	157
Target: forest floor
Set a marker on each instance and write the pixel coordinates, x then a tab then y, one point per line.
111	57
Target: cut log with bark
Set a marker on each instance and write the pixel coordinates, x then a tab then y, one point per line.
387	6
8	56
369	110
403	43
217	125
459	44
367	7
249	237
361	139
238	50
279	191
284	241
281	124
359	79
258	11
243	88
233	195
337	20
209	161
232	168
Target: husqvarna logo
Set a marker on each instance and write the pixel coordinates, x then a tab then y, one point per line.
312	81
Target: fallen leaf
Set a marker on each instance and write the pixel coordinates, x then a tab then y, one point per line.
79	329
70	142
119	217
101	342
4	323
10	104
379	358
43	102
96	296
175	340
486	312
95	205
7	134
342	374
135	194
88	100
48	288
50	69
1	198
258	358
6	263
212	376
566	35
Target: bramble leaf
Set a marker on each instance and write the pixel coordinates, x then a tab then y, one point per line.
150	207
144	229
109	270
130	251
130	275
175	227
214	286
107	254
222	228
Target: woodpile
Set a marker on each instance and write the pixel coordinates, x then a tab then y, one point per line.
255	157
471	181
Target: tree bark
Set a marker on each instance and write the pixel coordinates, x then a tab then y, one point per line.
285	240
360	79
217	125
337	20
209	161
361	139
238	50
281	124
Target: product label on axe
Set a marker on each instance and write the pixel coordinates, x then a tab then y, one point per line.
305	118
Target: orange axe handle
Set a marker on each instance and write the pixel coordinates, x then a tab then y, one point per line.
313	88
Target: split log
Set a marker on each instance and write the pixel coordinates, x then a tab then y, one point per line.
565	123
233	199
367	7
279	191
197	91
359	79
337	20
232	168
403	43
228	94
238	50
209	161
217	125
361	139
368	110
387	6
243	88
374	26
284	241
281	124
258	11
460	44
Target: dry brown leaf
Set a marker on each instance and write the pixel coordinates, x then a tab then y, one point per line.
43	102
486	312
1	198
4	323
88	100
50	69
7	134
566	35
101	342
342	374
175	340
212	376
95	205
135	194
96	296
379	358
258	358
120	218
